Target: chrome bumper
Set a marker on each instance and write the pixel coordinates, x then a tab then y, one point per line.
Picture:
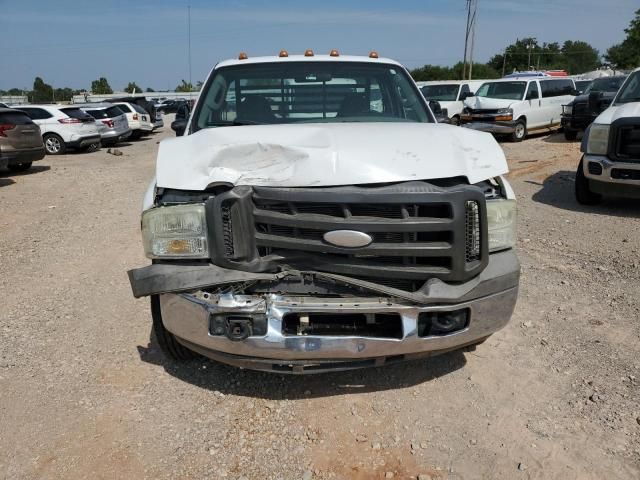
607	166
499	128
187	316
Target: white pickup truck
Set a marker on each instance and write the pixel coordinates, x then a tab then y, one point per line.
611	146
315	217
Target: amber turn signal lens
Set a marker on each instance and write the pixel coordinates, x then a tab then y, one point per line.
283	53
334	53
373	54
242	56
308	53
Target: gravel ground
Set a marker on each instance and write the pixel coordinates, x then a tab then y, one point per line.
85	392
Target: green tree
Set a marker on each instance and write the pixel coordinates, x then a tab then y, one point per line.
150	90
101	86
64	94
42	92
627	54
435	72
132	87
184	87
574	56
579	57
15	91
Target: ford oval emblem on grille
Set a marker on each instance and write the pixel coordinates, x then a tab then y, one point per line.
347	238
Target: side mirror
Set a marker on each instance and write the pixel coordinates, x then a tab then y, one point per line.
594	101
435	107
466	95
183	112
532	95
575	93
179	126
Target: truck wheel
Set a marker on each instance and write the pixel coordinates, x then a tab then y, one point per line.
520	131
20	167
455	120
167	341
584	195
53	144
570	135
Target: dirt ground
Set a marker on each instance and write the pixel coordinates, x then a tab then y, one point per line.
85	393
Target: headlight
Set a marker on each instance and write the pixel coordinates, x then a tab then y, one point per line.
504	114
501	219
598	141
175	232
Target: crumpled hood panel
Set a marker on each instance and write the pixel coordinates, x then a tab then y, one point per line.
308	155
612	114
484	103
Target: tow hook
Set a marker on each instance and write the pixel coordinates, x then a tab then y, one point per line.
238	329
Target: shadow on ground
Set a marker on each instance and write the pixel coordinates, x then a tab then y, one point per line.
558	191
31	171
228	380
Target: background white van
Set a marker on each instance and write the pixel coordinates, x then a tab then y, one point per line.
516	106
450	94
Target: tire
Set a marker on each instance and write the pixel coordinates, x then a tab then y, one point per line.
455	120
166	340
94	147
584	195
20	167
570	135
135	135
53	144
520	132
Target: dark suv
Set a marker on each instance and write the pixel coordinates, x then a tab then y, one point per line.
584	109
20	140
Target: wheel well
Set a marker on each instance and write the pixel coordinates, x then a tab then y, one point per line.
522	117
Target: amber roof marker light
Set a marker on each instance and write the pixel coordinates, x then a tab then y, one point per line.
334	53
308	52
242	56
373	54
283	53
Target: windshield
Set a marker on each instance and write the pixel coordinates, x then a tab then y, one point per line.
630	91
611	84
441	93
309	92
581	85
504	90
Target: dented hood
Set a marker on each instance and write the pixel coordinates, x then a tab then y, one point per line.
304	155
486	103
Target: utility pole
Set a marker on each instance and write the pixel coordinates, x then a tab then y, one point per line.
466	40
473	37
189	48
504	61
472	8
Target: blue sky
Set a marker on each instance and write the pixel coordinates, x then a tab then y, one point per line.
71	42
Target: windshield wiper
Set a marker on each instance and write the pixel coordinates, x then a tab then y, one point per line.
228	123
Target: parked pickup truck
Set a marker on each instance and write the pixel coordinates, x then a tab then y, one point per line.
578	114
315	217
611	146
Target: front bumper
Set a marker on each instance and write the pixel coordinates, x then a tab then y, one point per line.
576	122
186	312
620	179
188	318
500	128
